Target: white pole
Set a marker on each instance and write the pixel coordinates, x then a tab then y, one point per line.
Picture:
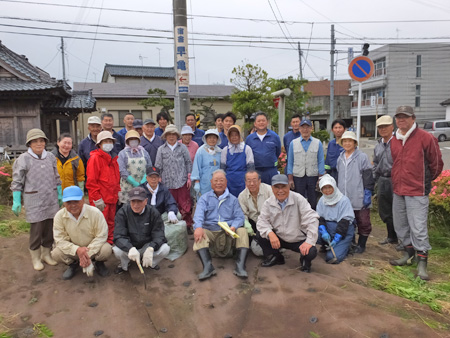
281	117
358	119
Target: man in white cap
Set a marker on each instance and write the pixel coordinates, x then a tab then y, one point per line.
89	143
417	161
139	233
382	166
287	221
80	232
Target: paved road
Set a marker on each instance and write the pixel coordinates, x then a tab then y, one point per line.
367	146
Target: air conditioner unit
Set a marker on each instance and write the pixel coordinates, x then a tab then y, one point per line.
103	110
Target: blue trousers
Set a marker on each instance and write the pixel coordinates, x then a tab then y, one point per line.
267	174
306	186
341	249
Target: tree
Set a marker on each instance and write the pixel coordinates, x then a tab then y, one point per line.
252	94
205	105
157	98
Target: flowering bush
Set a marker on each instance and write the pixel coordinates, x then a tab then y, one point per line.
282	161
440	190
5	183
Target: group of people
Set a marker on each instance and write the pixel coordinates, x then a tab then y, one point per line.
144	179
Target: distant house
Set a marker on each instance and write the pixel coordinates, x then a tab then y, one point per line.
320	96
413	74
123	86
31	98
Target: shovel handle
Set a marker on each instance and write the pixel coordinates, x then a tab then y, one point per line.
332	250
140	267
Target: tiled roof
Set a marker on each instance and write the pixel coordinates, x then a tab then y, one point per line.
322	88
139	71
14	85
445	103
77	101
20	64
139	90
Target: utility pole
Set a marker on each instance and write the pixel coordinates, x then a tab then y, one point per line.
181	65
332	52
63	62
300	53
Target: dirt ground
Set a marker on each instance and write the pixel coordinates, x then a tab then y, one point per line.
280	301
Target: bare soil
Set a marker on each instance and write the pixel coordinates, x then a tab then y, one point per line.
274	302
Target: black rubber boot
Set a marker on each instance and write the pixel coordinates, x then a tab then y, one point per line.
71	270
208	268
101	269
362	240
240	263
422	257
409	253
275	259
305	264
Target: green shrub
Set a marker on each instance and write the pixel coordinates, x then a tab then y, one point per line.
322	135
5	184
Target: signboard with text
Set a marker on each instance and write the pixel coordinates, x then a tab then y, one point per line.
182	60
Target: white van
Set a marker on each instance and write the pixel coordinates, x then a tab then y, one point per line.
439	129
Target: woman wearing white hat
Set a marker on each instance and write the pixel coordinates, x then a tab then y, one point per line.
206	161
355	180
103	179
36	176
133	162
174	165
186	139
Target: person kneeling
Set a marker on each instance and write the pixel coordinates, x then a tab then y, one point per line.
139	232
336	220
287	221
218	205
80	233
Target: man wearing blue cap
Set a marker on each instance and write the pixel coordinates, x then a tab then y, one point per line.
305	163
80	233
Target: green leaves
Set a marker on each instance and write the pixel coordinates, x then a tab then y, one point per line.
42	330
157	99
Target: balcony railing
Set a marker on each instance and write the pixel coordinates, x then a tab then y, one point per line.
379	72
366	103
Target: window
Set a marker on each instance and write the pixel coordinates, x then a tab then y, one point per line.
417	95
137	114
419	66
379	67
122	114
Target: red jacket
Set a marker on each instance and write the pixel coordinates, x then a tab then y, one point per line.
103	177
416	164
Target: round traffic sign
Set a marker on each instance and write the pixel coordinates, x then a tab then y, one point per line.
361	68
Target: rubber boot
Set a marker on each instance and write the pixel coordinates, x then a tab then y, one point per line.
46	257
208	268
71	270
305	264
422	257
101	269
362	240
36	259
409	253
240	263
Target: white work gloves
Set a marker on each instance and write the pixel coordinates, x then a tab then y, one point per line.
147	260
89	271
134	255
172	217
100	204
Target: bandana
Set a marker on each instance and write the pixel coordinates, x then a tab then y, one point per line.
335	196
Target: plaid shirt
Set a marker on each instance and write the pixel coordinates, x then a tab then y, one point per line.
174	166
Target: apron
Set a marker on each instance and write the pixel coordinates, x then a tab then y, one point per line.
236	169
136	167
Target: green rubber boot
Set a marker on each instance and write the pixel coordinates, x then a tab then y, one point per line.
409	253
422	257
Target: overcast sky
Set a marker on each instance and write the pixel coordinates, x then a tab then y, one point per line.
211	60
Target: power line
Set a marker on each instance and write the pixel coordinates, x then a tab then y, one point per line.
93	45
234	18
278	22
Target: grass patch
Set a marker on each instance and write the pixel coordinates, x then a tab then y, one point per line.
10	225
400	281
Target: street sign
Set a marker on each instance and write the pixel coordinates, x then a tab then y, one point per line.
361	68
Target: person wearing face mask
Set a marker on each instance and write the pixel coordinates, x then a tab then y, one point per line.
103	179
336	220
133	162
69	164
36	177
206	161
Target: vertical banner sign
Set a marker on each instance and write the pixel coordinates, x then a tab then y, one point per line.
181	46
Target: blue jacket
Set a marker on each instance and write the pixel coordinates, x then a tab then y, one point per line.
203	168
164	199
198	135
159	131
224	140
120	141
152	147
305	144
266	152
288	138
212	209
333	152
122	132
85	147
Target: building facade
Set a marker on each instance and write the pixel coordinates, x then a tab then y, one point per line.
416	74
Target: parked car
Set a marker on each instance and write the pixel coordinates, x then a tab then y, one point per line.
439	129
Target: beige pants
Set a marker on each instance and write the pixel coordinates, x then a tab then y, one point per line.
101	256
241	242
